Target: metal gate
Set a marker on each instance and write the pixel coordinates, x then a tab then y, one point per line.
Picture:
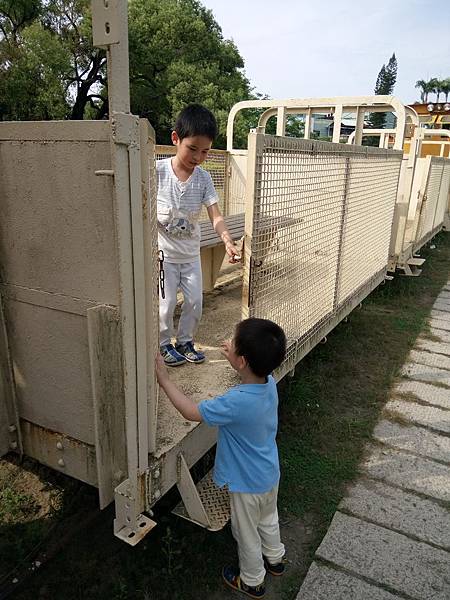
318	225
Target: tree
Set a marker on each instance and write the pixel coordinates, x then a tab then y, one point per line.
50	70
177	56
384	87
445	87
435	87
424	89
48	67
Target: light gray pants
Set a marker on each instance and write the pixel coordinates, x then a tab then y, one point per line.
186	277
254	524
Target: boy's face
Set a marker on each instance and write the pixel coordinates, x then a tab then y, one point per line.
191	151
236	361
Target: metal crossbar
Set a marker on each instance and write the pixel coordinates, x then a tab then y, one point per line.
318	224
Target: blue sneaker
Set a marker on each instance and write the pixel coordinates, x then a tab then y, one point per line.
190	353
171	357
231	577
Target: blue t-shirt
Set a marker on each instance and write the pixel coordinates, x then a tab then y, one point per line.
247	454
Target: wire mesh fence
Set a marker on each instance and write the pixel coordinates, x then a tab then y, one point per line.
434	200
318	227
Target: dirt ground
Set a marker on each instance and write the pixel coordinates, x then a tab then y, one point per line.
221	312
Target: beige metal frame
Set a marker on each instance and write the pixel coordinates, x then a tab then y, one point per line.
334	105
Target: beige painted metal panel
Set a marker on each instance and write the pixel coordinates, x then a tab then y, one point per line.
54	131
50	356
9	417
57	227
60	452
105	352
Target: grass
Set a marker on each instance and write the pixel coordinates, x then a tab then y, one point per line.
327	413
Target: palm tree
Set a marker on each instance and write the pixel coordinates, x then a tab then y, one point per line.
422	84
435	87
445	87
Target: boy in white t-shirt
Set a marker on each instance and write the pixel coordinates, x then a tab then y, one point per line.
183	189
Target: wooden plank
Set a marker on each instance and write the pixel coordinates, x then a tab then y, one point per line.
9	419
105	354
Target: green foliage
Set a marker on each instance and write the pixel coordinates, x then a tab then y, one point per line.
50	70
433	86
384	87
177	56
48	67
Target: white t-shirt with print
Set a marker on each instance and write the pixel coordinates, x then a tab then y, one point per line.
179	206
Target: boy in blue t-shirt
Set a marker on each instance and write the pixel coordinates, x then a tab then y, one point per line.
247	456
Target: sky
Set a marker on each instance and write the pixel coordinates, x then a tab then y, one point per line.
299	49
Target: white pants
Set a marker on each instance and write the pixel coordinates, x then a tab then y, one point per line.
254	524
188	278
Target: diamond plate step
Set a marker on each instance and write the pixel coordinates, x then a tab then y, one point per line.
215	501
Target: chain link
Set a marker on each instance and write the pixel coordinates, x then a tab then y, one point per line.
161	274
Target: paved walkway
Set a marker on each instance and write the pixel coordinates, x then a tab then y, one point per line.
390	537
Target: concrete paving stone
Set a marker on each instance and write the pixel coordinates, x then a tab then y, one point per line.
413	473
426	373
440	324
399	510
441	305
440	314
444	336
414	439
425	392
444	294
439	347
387	558
428	416
324	583
430	358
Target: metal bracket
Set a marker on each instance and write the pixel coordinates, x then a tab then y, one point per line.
105	22
189	494
129	525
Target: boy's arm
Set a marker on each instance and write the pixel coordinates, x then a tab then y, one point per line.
221	229
186	406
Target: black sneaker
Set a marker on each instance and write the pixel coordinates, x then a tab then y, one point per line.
232	578
275	569
190	353
171	357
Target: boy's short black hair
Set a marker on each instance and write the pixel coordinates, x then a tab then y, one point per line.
196	119
262	343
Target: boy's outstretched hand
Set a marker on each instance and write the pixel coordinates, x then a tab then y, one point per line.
233	254
161	370
225	348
